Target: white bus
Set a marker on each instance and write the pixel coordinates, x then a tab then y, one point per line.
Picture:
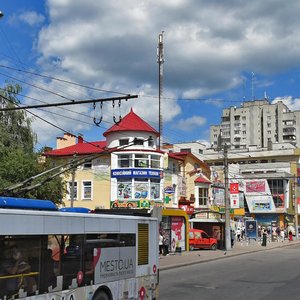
50	254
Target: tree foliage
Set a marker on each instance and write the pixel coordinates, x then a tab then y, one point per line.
18	160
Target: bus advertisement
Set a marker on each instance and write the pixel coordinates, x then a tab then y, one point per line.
51	254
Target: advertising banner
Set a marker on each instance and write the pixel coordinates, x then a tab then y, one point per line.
114	263
177	233
251	229
234	195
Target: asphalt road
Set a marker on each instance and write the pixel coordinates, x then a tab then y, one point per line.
266	275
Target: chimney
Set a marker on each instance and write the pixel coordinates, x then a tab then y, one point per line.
66	141
80	139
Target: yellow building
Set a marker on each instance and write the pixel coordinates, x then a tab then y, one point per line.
127	169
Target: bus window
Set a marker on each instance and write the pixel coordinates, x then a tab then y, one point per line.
72	260
20	265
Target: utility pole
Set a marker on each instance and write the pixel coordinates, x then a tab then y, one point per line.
227	202
73	182
160	61
296	206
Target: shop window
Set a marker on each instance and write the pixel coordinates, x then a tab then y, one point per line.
124	188
141	188
155	189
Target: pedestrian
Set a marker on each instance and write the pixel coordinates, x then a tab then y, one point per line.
264	238
232	237
290	236
238	234
165	245
282	234
161	245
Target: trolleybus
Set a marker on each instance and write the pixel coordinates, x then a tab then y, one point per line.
51	254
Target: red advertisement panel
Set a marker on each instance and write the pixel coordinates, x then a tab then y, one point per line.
256	186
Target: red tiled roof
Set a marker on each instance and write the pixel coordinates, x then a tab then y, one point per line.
202	179
131	122
175	156
80	149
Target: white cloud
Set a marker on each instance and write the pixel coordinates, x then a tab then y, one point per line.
30	18
192	123
290	102
208	47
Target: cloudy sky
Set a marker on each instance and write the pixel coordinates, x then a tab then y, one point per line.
217	54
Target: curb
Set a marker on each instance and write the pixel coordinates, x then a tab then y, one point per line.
193	262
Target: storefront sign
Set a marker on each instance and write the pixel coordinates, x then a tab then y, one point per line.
187	208
144	203
169	190
136	173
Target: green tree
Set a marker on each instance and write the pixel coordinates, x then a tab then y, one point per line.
18	160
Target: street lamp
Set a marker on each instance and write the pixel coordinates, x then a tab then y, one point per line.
1	14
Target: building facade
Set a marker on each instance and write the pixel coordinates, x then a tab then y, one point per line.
256	123
266	178
127	169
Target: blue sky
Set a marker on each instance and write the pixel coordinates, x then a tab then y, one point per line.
216	55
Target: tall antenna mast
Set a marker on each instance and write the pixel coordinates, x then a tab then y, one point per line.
252	85
160	61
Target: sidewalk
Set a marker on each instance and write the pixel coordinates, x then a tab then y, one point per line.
199	256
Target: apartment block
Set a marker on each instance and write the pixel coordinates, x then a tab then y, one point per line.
256	123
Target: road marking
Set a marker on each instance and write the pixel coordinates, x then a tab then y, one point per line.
205	287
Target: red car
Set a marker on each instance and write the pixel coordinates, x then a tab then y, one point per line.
199	239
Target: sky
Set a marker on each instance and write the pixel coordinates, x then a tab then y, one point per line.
217	54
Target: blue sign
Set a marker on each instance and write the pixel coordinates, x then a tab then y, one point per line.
251	229
136	173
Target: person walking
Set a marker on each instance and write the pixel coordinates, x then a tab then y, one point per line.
165	245
264	238
161	244
232	237
290	236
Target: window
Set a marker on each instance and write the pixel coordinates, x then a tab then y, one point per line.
124	161
150	141
141	161
139	142
202	196
186	150
124	188
69	188
141	188
87	165
123	142
86	190
155	161
154	188
276	186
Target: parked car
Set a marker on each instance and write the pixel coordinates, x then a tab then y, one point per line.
199	239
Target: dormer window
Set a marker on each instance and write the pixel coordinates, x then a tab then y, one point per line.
150	141
123	142
139	142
